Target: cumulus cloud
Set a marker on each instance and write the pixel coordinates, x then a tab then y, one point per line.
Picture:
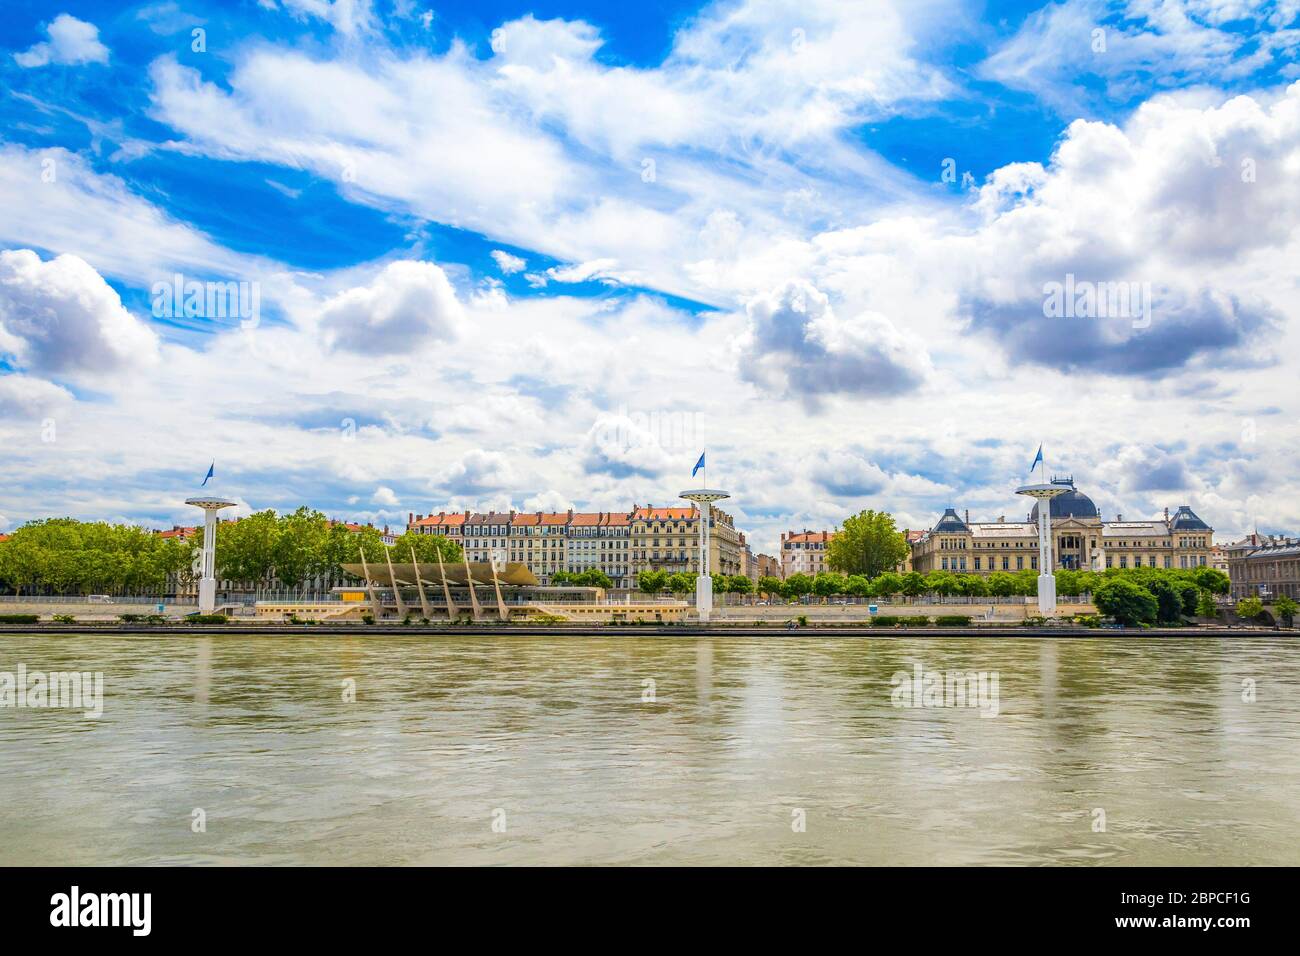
618	446
385	496
71	42
796	344
61	317
408	306
25	397
478	471
508	263
1179	204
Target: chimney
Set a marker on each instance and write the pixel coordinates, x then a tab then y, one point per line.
1002	519
1119	517
1166	514
410	520
968	516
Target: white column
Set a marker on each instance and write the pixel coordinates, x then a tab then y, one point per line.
704	583
1046	579
208	582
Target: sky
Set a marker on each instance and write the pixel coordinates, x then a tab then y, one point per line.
542	255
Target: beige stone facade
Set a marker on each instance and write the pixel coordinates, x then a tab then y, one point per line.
1080	539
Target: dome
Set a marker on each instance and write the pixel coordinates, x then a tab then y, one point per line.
1072	504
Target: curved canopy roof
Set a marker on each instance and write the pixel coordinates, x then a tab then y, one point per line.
513	575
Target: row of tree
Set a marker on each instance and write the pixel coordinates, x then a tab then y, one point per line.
264	550
64	556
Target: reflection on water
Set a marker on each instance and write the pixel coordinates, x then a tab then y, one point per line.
741	732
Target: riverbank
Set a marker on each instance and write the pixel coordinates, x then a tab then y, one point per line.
351	629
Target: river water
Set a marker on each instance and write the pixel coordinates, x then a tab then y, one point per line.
774	750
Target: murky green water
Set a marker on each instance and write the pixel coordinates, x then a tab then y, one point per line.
552	738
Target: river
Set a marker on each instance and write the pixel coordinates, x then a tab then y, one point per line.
647	750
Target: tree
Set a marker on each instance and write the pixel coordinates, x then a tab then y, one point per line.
941	582
561	579
1250	608
887	585
770	586
651	582
797	585
1286	608
593	578
1001	584
828	583
1128	603
868	543
740	584
858	586
1205	606
912	583
680	583
1212	579
1169	602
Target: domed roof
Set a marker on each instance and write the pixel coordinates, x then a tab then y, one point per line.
950	524
1072	504
1186	520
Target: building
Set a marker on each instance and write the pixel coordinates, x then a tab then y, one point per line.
618	543
1264	566
766	566
1081	540
804	552
447	525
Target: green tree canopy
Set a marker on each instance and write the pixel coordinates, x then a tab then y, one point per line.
868	543
1128	603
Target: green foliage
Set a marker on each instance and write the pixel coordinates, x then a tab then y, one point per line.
1128	603
856	585
1205	606
1169	602
885	620
64	619
591	578
651	582
1001	584
19	618
912	583
797	585
829	583
739	584
914	620
771	586
66	556
867	543
1286	608
953	620
206	619
887	585
1211	579
1250	608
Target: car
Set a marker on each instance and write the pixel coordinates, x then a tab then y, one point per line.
99	598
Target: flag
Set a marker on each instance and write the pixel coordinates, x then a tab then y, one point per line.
1038	457
209	474
698	465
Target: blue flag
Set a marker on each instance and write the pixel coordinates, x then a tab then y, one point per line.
698	465
1038	457
209	474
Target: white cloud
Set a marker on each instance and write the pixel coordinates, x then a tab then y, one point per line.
796	344
385	496
71	42
408	306
61	317
507	263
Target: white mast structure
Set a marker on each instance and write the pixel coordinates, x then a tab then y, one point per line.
1043	492
703	498
210	504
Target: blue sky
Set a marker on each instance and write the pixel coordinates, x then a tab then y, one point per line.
538	255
